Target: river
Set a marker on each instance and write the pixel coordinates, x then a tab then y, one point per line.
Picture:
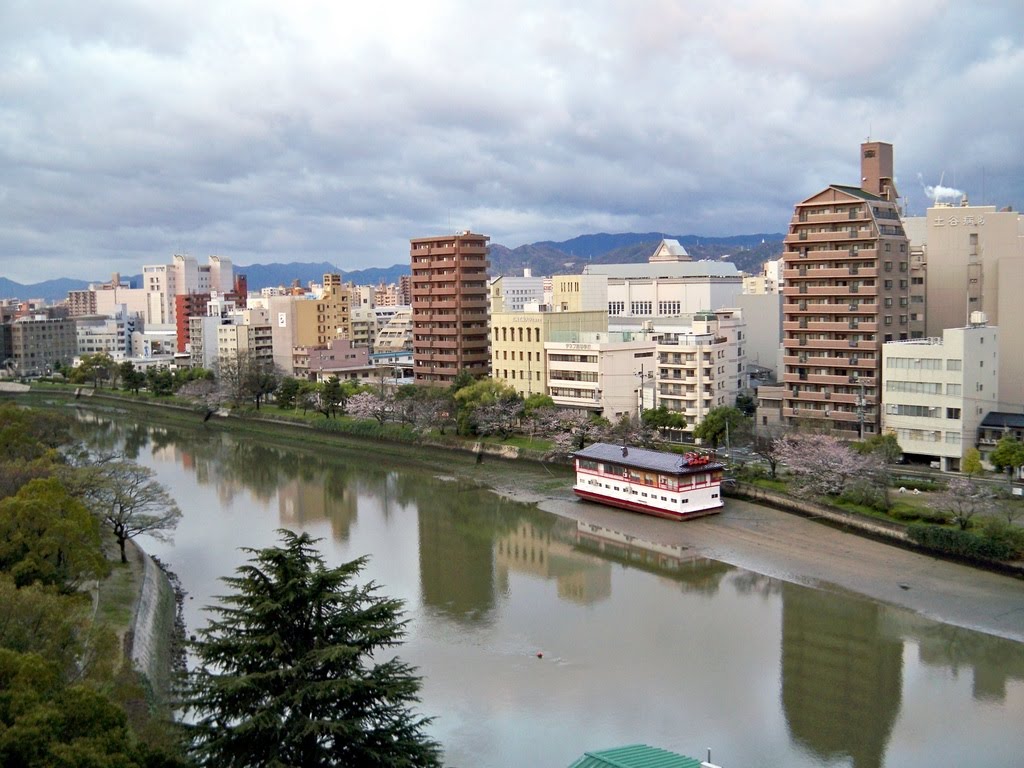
539	637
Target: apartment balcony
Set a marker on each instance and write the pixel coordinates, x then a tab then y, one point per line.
842	235
837	346
831	218
822	326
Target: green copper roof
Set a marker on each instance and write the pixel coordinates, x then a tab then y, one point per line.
635	756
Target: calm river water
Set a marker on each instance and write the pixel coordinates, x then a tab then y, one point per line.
641	643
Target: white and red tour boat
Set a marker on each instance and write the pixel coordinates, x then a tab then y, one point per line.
678	486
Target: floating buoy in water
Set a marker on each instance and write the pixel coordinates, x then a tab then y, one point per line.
540	654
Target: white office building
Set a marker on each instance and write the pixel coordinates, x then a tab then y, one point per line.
936	391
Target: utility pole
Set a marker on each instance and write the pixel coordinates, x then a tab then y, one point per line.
860	411
640	394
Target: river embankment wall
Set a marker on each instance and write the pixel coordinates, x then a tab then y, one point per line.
154	629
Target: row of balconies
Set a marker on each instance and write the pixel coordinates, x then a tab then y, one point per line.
804	235
824	413
823	326
834	360
795	274
801	253
804	216
828	379
833	344
796	307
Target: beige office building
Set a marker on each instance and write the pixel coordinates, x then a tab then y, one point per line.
937	391
518	342
304	321
974	259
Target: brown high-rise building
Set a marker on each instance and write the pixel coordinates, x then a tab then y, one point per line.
847	287
449	307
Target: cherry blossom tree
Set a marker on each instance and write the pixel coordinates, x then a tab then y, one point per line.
367	405
822	465
963	499
497	417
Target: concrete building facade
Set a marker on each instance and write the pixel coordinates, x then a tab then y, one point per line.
40	344
518	343
668	288
973	256
937	391
514	293
599	372
701	366
449	307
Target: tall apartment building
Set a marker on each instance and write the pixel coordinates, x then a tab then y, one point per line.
449	307
81	303
847	287
183	275
937	391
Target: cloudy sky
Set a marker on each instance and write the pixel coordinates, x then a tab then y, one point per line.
313	130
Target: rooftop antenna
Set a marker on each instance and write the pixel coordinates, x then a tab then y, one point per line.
938	187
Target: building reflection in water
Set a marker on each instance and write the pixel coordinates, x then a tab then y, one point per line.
458	524
680	565
842	676
992	662
547	549
302	502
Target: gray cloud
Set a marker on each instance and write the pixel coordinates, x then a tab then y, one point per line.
132	130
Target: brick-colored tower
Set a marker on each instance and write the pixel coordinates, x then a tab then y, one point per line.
847	287
449	307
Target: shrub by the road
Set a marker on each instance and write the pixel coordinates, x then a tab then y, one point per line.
996	542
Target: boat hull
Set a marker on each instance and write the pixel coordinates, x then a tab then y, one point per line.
647	509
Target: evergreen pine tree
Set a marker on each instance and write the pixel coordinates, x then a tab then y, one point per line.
290	673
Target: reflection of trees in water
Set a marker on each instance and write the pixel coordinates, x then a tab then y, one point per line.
545	547
458	524
842	675
992	661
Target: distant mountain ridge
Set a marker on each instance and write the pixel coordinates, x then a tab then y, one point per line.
747	252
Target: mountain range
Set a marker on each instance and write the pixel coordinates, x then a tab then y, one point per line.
747	252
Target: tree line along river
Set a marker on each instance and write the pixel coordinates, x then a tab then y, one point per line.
539	637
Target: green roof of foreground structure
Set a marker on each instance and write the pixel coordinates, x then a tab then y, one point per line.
635	756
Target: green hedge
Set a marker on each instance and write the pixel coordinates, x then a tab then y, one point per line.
963	543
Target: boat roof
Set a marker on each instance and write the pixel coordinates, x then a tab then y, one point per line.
643	458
